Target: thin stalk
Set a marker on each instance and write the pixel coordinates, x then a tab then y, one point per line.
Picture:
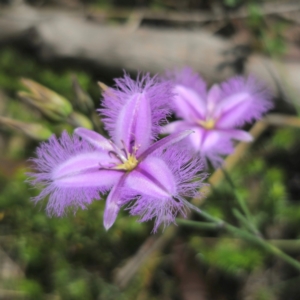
249	219
246	223
263	244
254	239
200	225
239	199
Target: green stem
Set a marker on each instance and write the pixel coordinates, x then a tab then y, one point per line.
263	244
239	199
254	239
248	221
199	225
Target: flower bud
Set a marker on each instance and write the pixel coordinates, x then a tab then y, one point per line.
51	104
77	119
33	130
83	100
102	86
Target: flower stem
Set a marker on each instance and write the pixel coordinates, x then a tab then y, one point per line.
247	220
245	235
246	223
239	199
199	225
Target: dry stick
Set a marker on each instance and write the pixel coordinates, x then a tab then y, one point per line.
157	243
58	34
196	17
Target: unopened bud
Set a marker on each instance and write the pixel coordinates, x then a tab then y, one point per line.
83	100
51	104
103	86
105	89
77	119
33	130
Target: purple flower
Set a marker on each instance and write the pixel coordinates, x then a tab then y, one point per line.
150	177
214	114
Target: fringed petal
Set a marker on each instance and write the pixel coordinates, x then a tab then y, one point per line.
158	94
176	126
190	94
243	100
188	104
169	176
134	124
113	203
236	134
165	143
213	97
71	173
152	177
94	138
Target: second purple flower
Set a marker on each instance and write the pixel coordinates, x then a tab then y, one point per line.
214	115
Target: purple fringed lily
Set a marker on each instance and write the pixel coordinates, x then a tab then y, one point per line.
151	178
214	114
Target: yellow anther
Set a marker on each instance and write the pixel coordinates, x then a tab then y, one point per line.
208	124
129	164
135	149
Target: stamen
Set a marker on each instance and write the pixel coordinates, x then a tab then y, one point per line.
124	149
113	154
128	165
135	148
129	161
207	124
119	153
125	152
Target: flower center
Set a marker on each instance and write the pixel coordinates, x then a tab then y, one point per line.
129	164
207	124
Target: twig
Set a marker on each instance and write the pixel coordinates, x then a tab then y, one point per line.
193	17
11	294
148	248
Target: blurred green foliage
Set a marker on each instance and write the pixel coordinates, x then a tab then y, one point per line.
14	66
269	34
231	256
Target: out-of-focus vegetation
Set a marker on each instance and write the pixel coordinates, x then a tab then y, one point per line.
75	258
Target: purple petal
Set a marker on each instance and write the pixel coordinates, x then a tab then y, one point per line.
213	98
188	104
94	138
237	134
214	141
190	94
113	204
158	95
215	144
188	78
83	170
176	126
152	177
173	176
165	142
68	168
243	100
212	144
134	124
196	139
